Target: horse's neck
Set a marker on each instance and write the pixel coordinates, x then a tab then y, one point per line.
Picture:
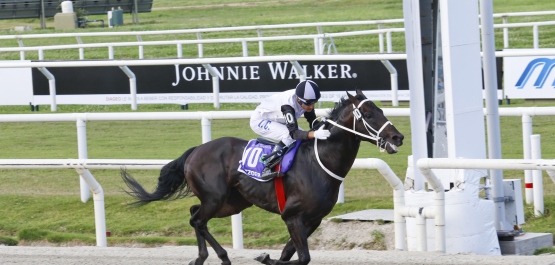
338	153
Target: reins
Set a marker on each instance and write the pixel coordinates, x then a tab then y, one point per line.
374	135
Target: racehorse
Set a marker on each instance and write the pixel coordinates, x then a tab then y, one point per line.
209	171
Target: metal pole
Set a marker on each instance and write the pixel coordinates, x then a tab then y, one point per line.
99	208
51	87
536	37
83	154
526	133
411	10
536	152
492	110
215	84
136	13
42	15
260	43
132	86
505	33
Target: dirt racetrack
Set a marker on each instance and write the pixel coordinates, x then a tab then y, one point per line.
182	254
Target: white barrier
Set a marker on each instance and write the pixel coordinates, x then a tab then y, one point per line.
316	38
464	235
205	117
318	50
82	166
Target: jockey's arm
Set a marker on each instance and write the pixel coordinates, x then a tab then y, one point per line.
293	127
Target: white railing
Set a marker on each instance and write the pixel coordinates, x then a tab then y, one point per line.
83	165
206	117
535	31
505	17
318	38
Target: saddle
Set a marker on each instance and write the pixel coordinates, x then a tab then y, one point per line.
252	163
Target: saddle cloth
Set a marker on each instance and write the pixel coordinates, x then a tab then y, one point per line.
251	165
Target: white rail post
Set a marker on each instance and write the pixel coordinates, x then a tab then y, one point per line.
111	52
421	233
215	84
206	125
536	37
260	43
505	33
132	86
316	46
528	180
380	38
394	82
179	50
200	48
51	87
388	41
141	47
21	53
51	83
537	175
81	50
245	48
99	211
83	154
300	70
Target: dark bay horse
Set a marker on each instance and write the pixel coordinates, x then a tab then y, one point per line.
209	171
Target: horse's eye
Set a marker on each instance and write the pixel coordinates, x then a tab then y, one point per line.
367	115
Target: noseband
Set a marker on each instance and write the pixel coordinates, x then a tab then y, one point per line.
373	134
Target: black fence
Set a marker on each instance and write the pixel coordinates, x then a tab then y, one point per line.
10	9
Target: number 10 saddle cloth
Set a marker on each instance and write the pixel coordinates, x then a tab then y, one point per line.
251	163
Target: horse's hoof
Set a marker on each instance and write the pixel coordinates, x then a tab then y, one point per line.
263	258
192	262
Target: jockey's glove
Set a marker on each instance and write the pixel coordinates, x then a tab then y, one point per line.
322	134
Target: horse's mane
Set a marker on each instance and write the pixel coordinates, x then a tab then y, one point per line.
343	102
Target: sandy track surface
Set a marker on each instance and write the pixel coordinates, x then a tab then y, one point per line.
182	255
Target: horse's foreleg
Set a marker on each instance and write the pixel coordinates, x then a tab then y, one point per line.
299	234
289	249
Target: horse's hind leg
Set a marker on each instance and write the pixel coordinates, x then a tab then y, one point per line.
199	218
201	241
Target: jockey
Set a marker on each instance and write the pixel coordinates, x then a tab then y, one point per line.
276	118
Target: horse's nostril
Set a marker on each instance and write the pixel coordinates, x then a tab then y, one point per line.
398	138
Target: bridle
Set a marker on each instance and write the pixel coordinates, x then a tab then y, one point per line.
373	134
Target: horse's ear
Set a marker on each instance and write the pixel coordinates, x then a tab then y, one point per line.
351	98
359	92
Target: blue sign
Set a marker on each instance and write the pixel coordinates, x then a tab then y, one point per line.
547	64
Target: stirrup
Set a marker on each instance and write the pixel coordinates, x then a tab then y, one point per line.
268	174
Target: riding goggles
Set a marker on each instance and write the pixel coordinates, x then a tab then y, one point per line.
308	102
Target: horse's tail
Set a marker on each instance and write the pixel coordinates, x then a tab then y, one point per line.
172	184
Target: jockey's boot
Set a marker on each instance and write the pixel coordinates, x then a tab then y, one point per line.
271	162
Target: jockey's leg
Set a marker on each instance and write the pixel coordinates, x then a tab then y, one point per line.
271	162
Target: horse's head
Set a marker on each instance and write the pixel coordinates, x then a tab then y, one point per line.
368	121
